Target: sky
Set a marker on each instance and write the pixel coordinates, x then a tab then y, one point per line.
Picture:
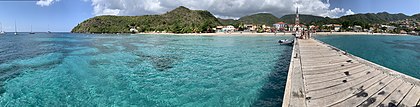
63	15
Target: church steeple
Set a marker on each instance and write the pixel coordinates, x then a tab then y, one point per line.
297	16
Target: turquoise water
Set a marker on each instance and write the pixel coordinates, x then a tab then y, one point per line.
400	53
64	69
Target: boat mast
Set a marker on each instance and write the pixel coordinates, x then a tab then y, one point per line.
15	28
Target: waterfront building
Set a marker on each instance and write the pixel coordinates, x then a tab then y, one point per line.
280	26
250	27
357	28
229	28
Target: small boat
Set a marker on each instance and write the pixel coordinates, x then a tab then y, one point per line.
286	42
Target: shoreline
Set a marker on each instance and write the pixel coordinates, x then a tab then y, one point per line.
223	34
266	34
276	34
357	33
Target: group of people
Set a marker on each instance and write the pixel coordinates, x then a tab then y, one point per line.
306	34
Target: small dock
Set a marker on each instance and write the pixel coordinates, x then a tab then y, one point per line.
321	75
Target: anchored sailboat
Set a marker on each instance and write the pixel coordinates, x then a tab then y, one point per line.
31	31
15	29
48	29
1	30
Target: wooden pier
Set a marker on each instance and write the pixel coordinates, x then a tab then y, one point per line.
321	75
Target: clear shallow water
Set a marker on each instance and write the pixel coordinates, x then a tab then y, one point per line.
400	53
143	70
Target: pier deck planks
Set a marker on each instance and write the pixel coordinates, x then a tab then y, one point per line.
321	75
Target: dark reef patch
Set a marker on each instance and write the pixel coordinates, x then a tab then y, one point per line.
271	95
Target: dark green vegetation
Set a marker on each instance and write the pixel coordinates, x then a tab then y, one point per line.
364	20
179	20
302	18
416	17
258	19
261	18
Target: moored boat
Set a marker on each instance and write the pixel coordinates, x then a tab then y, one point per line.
31	31
286	42
15	29
1	30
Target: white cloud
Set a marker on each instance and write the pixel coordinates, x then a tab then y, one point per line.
349	12
43	3
220	8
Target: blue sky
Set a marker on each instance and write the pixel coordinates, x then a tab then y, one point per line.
408	7
63	15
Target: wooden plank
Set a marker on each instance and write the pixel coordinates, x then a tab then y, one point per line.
329	70
327	61
332	72
411	99
396	97
347	85
335	83
341	92
323	66
362	93
335	74
378	97
330	67
320	56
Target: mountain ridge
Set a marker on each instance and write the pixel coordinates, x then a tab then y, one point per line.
184	20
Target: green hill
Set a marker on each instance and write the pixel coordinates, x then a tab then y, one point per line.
179	20
349	20
306	19
382	17
260	18
365	20
228	21
416	16
269	19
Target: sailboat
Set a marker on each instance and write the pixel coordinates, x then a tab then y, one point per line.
1	30
15	29
31	31
48	29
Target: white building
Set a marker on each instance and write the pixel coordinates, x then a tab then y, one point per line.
280	26
229	28
357	28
